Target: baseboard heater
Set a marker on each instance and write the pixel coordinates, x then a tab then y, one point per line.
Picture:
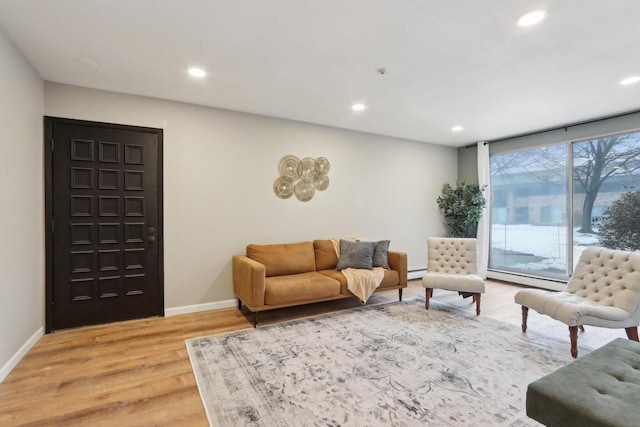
416	274
522	279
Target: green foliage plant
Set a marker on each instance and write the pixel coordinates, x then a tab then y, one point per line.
462	207
619	225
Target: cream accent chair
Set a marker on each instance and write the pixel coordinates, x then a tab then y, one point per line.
604	290
452	265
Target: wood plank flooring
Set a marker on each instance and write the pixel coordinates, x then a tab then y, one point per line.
138	372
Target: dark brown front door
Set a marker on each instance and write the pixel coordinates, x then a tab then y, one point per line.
104	222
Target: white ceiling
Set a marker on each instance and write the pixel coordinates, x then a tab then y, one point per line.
448	62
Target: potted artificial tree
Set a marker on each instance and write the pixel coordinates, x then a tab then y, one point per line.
462	208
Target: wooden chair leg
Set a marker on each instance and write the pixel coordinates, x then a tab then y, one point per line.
632	333
581	328
400	294
427	296
477	298
573	334
525	313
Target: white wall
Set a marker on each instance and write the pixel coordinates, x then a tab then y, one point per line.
219	169
22	211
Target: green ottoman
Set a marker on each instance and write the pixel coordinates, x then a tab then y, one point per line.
599	389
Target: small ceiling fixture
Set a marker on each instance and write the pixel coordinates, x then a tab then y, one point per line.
630	80
197	72
531	18
457	128
358	107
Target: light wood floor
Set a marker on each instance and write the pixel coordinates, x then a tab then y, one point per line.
138	372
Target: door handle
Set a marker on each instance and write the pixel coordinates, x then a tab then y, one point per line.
151	239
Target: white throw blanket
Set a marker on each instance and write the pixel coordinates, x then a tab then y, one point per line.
362	283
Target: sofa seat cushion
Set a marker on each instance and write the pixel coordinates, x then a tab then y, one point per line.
299	287
283	259
391	278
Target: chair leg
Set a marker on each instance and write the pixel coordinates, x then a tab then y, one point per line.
573	334
476	297
632	333
581	328
525	313
400	294
427	295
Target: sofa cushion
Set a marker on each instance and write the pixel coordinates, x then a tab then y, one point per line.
299	287
381	254
356	255
391	278
282	259
326	258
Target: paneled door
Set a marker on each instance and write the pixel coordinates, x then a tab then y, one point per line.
104	222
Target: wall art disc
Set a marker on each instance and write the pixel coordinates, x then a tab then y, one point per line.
283	187
321	182
309	170
290	167
322	165
304	191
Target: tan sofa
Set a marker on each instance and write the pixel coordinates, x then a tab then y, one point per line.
284	275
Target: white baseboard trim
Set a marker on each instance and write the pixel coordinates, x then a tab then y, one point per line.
196	308
17	357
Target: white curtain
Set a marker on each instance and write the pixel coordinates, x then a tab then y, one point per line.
484	227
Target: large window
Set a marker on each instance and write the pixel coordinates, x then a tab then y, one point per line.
533	190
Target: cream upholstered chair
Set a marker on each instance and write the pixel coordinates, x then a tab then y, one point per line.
452	265
604	290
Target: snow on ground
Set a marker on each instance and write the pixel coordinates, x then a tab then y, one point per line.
541	241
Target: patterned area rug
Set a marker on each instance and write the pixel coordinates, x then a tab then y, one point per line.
390	364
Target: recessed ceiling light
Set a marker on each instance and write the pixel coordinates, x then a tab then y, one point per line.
197	72
531	18
358	107
630	80
457	128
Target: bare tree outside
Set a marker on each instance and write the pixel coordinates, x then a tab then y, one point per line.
596	161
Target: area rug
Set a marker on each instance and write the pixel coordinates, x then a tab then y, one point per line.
393	364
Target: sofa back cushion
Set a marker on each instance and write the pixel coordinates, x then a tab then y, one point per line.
326	258
286	258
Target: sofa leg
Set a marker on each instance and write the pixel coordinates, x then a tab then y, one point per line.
427	296
632	333
525	313
476	297
239	304
400	294
573	334
255	319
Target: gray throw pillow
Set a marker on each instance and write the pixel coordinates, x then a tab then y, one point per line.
356	255
381	254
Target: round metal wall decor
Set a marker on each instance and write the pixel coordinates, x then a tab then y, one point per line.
283	187
304	191
301	177
308	169
290	167
322	165
321	183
